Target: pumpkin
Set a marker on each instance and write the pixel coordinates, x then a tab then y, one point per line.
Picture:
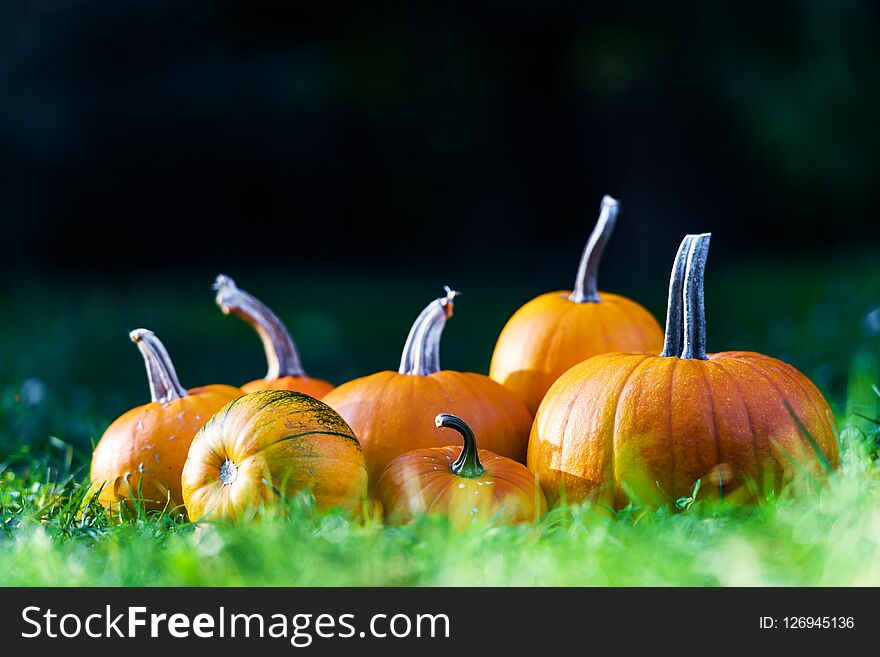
647	428
141	455
556	330
285	370
393	412
466	484
268	445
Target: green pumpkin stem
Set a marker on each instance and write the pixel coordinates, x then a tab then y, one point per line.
468	462
281	353
685	335
586	288
421	352
164	384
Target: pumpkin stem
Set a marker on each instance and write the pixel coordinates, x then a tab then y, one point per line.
468	462
672	342
586	288
280	349
421	352
694	308
164	384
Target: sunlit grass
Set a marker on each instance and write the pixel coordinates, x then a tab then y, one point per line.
812	534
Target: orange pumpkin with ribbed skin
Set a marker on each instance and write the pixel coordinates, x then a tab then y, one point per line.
645	427
285	370
267	445
141	455
393	412
466	484
557	330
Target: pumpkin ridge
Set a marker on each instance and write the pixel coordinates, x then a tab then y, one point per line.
759	466
799	382
213	448
307	455
229	407
428	492
632	311
239	462
293	437
556	336
215	494
564	433
782	399
319	433
415	494
716	437
603	327
613	464
474	383
790	375
478	383
512	477
623	310
669	423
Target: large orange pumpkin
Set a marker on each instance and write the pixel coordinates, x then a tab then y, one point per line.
268	445
285	370
645	427
466	484
141	455
393	412
556	330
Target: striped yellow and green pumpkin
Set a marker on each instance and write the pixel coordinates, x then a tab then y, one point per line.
267	446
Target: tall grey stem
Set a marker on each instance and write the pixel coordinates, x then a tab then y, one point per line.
674	335
586	288
694	306
164	384
280	349
421	352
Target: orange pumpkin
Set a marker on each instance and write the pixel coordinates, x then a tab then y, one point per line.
141	455
646	427
268	445
393	412
556	330
465	484
285	370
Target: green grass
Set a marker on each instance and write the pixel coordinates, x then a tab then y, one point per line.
822	535
812	534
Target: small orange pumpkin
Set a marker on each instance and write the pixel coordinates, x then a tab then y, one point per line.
556	330
393	412
285	370
271	444
141	455
465	484
645	427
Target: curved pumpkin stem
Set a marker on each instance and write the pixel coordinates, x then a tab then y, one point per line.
280	349
694	308
685	335
672	341
468	462
421	352
164	384
586	288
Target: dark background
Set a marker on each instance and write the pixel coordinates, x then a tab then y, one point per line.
344	161
195	134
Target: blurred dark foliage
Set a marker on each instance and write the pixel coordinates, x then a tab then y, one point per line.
345	160
187	134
